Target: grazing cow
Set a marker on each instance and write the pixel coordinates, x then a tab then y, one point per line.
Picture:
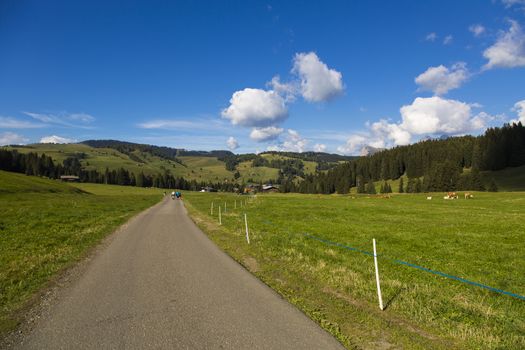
468	195
429	198
451	195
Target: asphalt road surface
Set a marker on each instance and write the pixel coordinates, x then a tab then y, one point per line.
162	284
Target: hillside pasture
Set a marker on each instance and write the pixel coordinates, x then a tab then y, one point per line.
309	248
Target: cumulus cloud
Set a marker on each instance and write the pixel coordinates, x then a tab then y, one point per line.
476	29
319	147
383	130
265	134
424	116
287	90
441	79
293	142
437	115
431	37
519	108
232	143
353	144
318	82
448	40
10	138
56	139
12	123
256	108
508	51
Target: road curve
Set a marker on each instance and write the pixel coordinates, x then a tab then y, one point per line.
162	284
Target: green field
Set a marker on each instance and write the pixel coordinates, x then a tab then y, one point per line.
46	226
479	240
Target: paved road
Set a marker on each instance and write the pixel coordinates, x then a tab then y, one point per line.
162	284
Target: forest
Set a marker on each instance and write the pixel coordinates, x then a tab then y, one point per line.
431	165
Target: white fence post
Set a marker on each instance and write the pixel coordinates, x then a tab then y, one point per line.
377	277
246	224
211	208
220	217
224	207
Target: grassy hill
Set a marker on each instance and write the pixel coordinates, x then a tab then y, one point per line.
191	165
19	183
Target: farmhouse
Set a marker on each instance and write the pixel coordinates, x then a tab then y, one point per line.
270	188
208	189
69	178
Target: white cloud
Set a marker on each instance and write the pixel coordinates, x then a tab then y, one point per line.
10	138
179	124
12	123
441	79
319	147
265	134
318	82
510	3
232	143
63	118
425	116
353	144
293	142
476	29
508	51
56	139
383	130
256	108
448	40
519	108
437	115
431	37
82	117
288	90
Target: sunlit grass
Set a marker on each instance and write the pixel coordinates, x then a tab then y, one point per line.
479	239
46	225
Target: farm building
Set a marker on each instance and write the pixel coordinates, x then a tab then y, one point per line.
270	188
69	178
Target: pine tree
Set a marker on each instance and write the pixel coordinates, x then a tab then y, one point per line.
360	185
370	187
401	186
492	186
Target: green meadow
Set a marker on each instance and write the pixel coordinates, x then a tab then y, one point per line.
296	248
46	226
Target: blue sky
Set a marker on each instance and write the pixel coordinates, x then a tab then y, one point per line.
198	75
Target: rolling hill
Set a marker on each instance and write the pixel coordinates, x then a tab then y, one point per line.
207	166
